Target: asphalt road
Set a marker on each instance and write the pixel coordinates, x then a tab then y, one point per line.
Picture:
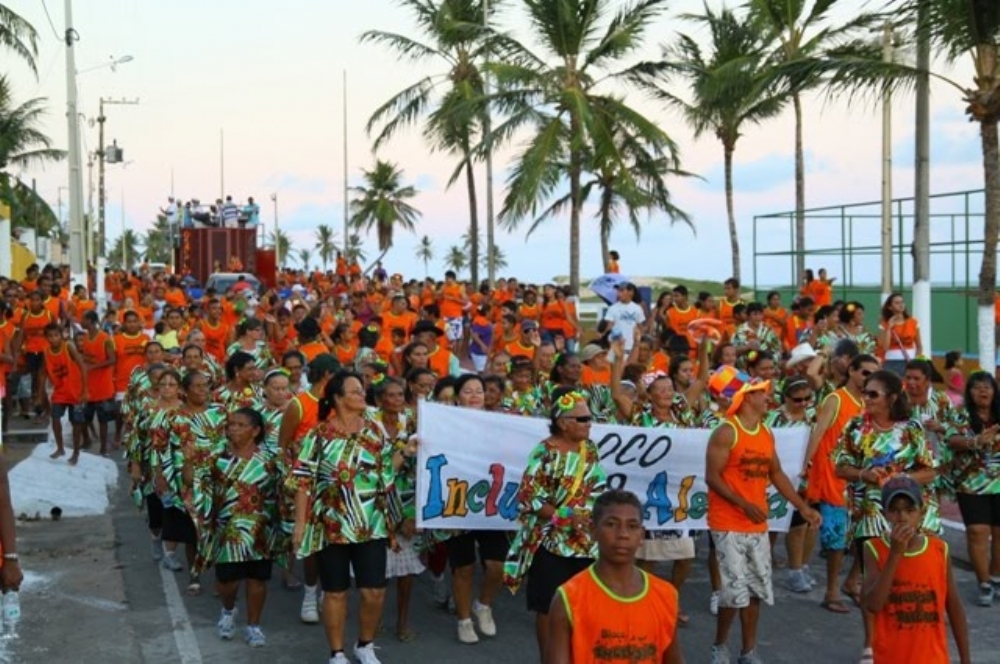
94	595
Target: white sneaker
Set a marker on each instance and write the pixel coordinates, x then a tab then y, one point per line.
809	576
466	632
713	603
255	637
309	614
156	548
171	563
340	658
227	625
484	616
366	654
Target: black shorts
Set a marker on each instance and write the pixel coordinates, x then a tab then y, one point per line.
493	545
154	512
549	571
77	412
256	570
367	559
797	520
35	362
178	526
105	410
980	510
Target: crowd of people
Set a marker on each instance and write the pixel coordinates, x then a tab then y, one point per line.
279	429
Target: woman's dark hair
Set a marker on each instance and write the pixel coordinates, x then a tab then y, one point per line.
442	385
293	355
926	367
407	350
703	296
368	336
378	391
340	333
976	423
755	357
676	362
185	349
633	372
248	325
614	498
951	359
808	274
847	311
334	389
188	379
561	360
464	380
887	311
863	358
899	411
496	381
256	421
412	376
822	313
717	354
773	293
237	361
167	371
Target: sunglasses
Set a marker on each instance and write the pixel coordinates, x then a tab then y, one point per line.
801	399
581	419
872	394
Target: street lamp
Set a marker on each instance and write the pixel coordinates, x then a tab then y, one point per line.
277	240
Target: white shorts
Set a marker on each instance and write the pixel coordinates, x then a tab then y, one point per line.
453	329
745	568
478	362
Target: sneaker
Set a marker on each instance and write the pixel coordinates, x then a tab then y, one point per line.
309	614
720	654
440	592
340	658
796	581
466	632
255	637
985	595
713	603
171	563
156	548
809	576
227	625
749	658
484	616
365	654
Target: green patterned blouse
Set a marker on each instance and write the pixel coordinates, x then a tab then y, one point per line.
251	396
183	437
261	354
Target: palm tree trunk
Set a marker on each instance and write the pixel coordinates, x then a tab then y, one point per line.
800	194
606	228
988	271
470	180
734	238
575	173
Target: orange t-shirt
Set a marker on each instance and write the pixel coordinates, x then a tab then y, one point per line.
530	311
516	348
747	472
405	320
776	319
439	361
308	406
313	349
33	326
175	298
345	354
80	307
216	339
100	382
819	291
590	376
450	308
65	376
822	481
726	314
903	336
608	629
130	353
911	627
554	316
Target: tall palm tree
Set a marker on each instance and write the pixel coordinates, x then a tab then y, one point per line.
556	95
425	253
730	87
452	100
967	30
456	259
125	251
355	248
326	244
157	241
802	29
382	204
280	241
19	36
498	259
304	257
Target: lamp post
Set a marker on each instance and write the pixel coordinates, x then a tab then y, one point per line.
78	268
112	155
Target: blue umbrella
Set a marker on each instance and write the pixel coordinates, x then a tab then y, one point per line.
605	286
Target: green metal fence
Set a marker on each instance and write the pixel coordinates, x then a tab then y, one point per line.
846	240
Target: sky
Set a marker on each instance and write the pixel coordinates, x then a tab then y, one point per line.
266	80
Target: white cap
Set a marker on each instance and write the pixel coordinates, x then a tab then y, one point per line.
800	353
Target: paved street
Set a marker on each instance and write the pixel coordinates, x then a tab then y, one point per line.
92	594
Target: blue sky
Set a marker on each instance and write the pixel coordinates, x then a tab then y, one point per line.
269	75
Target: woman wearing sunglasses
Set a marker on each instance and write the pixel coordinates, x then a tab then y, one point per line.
931	406
883	442
560	483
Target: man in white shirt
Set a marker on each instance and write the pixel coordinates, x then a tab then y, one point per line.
229	213
624	315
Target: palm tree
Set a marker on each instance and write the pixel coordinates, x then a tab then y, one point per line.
304	257
802	31
125	251
498	258
967	30
279	240
556	96
157	241
425	253
382	204
355	248
456	259
452	100
326	245
730	87
19	36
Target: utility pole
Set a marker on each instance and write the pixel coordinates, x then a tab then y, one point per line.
277	239
887	36
346	205
78	266
491	271
110	155
922	184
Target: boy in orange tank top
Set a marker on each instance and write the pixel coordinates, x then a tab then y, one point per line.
909	585
614	612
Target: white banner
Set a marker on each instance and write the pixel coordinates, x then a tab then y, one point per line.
470	464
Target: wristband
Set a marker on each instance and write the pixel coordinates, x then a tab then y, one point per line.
11	556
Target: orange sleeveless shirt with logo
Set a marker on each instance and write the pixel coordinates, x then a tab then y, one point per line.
100	382
65	376
911	627
608	629
822	482
308	406
747	473
33	327
313	349
216	337
130	353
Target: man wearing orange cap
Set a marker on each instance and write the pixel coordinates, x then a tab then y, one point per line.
740	464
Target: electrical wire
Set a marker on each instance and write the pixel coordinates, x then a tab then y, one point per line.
55	33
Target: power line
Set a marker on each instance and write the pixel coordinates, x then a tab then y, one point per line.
55	33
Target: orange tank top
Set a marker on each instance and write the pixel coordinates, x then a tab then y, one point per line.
911	626
440	362
33	327
216	337
100	382
64	374
822	481
747	473
130	353
608	629
308	406
313	349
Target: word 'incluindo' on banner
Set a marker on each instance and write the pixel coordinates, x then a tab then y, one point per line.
470	464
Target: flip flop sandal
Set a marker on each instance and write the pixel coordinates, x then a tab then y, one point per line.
835	606
854	595
194	587
406	635
867	656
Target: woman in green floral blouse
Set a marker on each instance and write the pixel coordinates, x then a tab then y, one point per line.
347	509
242	388
235	505
560	484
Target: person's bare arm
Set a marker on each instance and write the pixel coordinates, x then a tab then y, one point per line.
289	423
559	649
697	387
956	616
824	420
622	400
674	654
816	371
75	356
786	489
10	573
